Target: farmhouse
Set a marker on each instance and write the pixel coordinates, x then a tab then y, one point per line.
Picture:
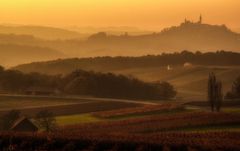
187	65
23	124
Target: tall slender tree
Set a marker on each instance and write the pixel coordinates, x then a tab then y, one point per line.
215	95
211	92
219	96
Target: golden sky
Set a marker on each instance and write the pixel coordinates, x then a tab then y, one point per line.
140	13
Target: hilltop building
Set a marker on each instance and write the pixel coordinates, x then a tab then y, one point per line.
200	19
187	65
192	22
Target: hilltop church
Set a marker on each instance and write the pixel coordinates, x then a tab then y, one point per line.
192	22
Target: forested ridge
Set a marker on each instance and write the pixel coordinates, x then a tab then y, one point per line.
82	82
63	66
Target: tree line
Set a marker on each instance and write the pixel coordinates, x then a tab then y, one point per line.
234	93
221	58
215	94
82	82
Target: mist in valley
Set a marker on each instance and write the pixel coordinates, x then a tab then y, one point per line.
119	75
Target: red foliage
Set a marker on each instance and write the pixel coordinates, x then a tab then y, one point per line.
137	110
162	141
158	123
131	135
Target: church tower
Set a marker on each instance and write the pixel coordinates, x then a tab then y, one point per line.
200	19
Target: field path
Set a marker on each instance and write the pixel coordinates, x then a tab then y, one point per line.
116	100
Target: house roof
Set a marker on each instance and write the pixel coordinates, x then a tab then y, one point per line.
21	119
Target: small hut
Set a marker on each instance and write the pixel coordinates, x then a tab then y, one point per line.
187	65
23	124
169	68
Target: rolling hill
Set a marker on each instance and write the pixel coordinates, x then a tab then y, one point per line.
106	64
187	36
113	30
188	71
13	54
43	32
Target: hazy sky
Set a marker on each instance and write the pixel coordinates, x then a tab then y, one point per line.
141	13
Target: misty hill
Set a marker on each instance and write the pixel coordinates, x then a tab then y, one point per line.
188	71
18	39
187	36
113	30
43	32
103	64
13	54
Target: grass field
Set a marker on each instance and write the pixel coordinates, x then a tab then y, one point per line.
142	111
29	106
76	119
141	115
191	83
115	125
232	110
13	102
186	122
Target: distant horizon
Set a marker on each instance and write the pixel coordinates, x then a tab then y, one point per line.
136	28
113	74
152	15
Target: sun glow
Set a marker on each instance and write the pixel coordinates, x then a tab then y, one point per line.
142	13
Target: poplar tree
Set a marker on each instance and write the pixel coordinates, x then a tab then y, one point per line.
215	95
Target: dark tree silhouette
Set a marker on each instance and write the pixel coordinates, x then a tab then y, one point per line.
9	118
215	95
115	86
235	92
1	69
89	83
219	96
46	120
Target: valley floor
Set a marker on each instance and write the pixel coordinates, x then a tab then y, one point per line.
110	124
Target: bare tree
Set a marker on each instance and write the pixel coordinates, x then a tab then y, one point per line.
46	120
235	92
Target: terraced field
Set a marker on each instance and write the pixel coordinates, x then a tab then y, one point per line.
29	106
191	83
76	119
160	123
117	125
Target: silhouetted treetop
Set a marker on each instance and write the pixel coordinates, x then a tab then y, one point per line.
82	82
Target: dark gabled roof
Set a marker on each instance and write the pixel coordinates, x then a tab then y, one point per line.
20	120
